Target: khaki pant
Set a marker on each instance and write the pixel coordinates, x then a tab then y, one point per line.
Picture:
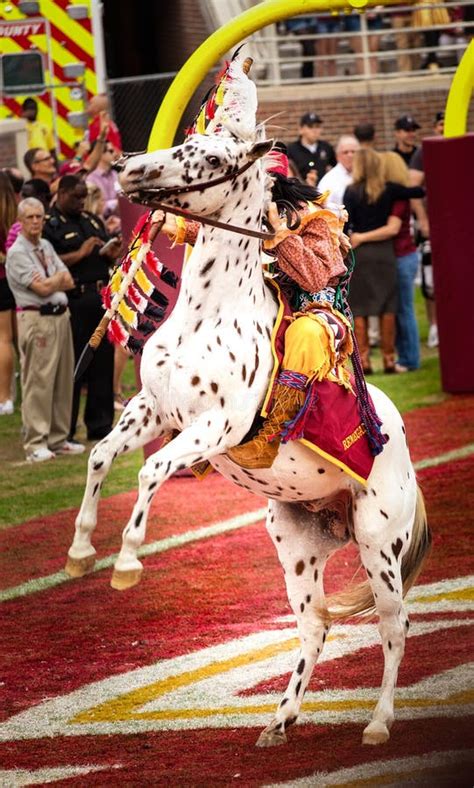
47	368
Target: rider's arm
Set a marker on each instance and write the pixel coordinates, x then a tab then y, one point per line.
310	258
179	230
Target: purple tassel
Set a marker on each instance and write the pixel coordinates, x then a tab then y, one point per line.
368	415
294	429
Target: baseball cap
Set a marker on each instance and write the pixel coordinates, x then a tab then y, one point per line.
407	123
439	116
310	119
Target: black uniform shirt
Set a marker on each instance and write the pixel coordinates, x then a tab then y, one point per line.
68	233
322	160
405	156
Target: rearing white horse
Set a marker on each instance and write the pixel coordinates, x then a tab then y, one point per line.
206	371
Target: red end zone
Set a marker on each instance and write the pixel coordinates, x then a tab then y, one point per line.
171	680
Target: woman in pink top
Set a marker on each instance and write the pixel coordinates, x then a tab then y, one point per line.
8	212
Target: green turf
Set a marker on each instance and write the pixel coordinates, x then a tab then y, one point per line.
33	490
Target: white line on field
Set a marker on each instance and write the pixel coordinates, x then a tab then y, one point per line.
162	545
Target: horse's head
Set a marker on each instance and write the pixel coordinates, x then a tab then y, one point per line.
199	175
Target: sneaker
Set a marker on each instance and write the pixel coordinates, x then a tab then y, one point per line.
40	455
6	408
70	447
432	340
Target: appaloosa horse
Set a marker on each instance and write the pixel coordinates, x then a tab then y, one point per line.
205	373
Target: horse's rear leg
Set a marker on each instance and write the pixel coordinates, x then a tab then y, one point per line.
303	553
138	424
382	544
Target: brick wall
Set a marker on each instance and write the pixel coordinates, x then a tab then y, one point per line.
342	106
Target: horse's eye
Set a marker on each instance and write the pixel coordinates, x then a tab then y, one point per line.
213	161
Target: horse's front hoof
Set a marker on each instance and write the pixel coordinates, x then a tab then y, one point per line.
78	567
271	737
375	733
122	579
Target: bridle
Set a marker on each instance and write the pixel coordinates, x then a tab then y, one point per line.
157	204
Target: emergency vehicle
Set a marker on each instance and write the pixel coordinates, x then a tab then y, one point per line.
52	50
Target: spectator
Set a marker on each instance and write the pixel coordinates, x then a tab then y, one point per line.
405	136
38	135
302	26
98	108
398	227
42	167
400	22
33	188
87	156
77	236
427	14
95	203
417	178
407	337
352	24
107	180
38	280
365	134
8	212
339	178
312	155
374	284
327	26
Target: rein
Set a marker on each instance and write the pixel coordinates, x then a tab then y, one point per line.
156	204
233	228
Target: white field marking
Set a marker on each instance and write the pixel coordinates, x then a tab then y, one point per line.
14	778
451	596
455	454
203	689
396	772
162	545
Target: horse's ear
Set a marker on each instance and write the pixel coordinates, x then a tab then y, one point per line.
260	149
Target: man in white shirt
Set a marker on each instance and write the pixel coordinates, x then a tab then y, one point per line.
338	179
38	279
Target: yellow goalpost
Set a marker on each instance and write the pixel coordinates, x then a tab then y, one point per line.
266	13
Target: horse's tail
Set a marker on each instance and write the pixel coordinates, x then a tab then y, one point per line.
358	600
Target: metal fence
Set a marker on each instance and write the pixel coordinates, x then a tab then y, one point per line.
136	100
379	44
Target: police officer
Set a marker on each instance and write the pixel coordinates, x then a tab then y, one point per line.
78	237
313	156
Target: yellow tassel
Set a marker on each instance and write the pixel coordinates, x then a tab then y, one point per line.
116	281
143	282
128	314
180	230
220	93
201	122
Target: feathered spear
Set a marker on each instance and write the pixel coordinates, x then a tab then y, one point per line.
123	283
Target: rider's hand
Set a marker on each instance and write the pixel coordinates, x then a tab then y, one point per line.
344	243
274	219
169	222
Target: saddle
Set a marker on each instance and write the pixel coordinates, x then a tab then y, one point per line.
332	425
